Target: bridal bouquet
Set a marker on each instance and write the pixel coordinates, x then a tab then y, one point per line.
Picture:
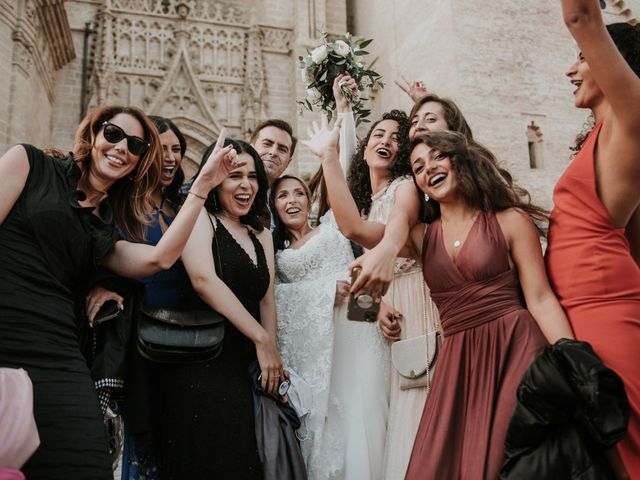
324	63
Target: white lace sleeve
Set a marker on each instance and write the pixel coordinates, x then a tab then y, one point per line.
348	141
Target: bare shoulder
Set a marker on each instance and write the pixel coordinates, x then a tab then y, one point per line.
407	190
14	170
16	156
265	237
515	222
514	215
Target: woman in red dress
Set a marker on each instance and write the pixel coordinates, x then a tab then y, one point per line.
594	234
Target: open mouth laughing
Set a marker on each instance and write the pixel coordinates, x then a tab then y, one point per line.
115	161
383	152
577	83
293	210
243	199
437	179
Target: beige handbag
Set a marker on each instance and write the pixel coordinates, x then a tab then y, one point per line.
414	358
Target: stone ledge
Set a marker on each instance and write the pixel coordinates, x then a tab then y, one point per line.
57	32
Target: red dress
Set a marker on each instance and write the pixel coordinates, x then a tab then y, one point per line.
490	339
598	282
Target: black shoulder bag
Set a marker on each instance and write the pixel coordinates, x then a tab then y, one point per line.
181	336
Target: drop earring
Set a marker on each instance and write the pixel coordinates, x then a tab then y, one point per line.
426	197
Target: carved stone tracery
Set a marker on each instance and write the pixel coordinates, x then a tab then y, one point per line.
42	41
194	59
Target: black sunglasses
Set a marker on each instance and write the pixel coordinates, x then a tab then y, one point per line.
114	134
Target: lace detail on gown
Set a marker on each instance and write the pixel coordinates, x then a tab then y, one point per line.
310	333
381	206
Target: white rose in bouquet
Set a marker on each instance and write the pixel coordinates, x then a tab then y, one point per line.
313	95
319	54
320	67
341	48
307	75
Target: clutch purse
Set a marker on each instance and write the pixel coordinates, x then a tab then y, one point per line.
414	359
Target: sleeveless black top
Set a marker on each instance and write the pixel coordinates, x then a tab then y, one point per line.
49	246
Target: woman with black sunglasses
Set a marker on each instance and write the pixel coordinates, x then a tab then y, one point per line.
143	394
56	224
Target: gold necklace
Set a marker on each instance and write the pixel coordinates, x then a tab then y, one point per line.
456	242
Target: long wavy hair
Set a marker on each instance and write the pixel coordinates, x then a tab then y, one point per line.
452	113
172	191
130	196
626	37
480	183
359	179
282	235
258	214
318	192
456	122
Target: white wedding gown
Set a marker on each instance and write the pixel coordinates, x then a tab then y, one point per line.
344	362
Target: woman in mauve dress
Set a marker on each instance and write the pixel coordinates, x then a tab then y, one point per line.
479	254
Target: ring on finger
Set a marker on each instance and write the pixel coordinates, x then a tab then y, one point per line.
97	304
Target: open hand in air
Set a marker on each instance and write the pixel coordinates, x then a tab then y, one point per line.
323	141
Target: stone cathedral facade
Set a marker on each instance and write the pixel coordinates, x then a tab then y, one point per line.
208	64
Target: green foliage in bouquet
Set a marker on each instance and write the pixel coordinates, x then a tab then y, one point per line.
324	63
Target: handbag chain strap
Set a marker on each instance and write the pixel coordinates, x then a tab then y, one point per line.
425	318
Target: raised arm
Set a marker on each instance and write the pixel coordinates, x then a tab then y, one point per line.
135	260
402	238
199	264
324	143
524	246
414	89
620	85
348	138
14	170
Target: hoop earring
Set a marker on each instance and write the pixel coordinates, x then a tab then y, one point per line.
426	197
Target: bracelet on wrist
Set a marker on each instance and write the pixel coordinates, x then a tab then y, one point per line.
191	192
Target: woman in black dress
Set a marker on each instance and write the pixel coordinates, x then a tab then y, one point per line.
209	422
56	225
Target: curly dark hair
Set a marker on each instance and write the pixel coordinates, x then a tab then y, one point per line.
259	214
172	191
359	179
480	183
626	37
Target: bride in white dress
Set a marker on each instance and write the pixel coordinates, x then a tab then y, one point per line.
381	187
344	362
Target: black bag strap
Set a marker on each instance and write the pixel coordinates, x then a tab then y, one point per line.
215	239
356	249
